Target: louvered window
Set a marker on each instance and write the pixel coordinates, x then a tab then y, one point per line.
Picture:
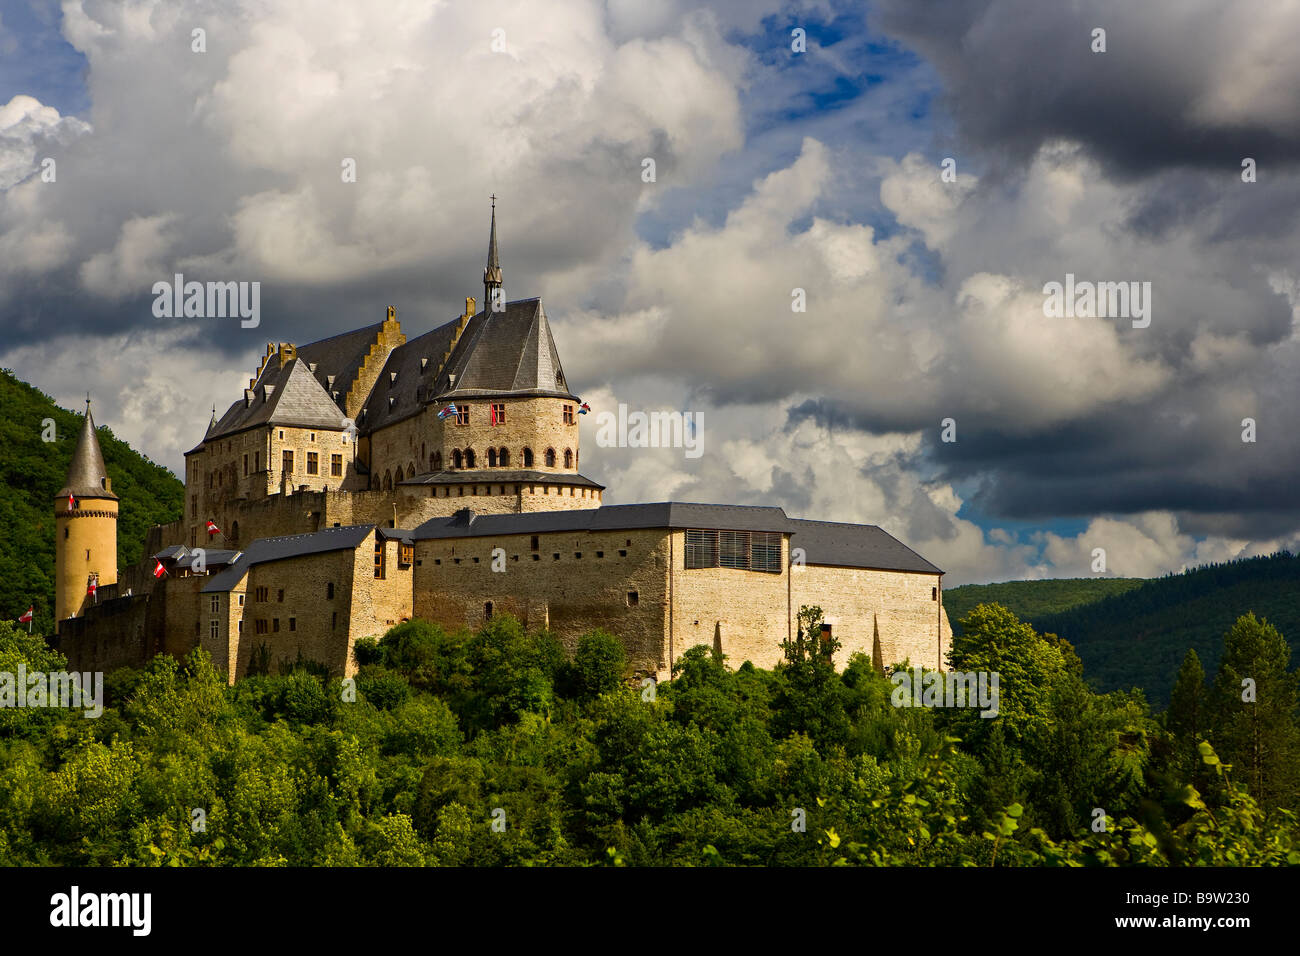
740	550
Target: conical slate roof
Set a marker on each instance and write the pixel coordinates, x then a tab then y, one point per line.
87	475
508	351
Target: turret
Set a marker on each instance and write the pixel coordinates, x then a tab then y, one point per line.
85	526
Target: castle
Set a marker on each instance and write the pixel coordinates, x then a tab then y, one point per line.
369	478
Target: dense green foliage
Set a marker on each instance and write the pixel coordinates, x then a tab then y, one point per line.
32	470
496	748
1139	638
1031	600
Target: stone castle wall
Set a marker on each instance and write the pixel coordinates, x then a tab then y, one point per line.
906	606
570	595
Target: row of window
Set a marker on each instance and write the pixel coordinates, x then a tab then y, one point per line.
313	463
744	550
499	414
263	625
216	478
467	459
500	458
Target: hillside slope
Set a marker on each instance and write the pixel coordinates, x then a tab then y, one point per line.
1139	638
31	471
1033	599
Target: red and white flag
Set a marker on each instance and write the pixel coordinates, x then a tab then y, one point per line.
212	527
28	616
72	502
494	414
92	585
158	569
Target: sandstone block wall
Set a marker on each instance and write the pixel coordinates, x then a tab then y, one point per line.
615	585
749	610
297	598
906	605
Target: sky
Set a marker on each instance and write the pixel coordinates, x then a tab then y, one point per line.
778	166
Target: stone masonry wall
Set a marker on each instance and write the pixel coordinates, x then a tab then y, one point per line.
615	585
904	604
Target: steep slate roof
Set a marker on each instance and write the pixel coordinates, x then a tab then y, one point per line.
825	542
296	398
495	476
502	352
87	474
855	546
288	546
341	356
413	386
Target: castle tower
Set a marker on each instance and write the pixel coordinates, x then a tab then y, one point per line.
492	272
85	526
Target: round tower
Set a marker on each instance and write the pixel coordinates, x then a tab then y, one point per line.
85	527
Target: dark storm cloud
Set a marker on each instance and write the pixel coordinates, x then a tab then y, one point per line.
1182	82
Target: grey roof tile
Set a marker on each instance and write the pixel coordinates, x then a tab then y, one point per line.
855	546
403	387
667	514
504	352
285	394
87	474
825	542
288	546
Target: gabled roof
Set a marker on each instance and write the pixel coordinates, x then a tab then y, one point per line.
403	387
285	394
508	351
288	546
855	546
341	356
87	474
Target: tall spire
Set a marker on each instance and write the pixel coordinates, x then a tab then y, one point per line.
492	274
87	475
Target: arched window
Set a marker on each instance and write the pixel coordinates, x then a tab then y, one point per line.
456	460
550	458
388	481
568	458
503	457
410	470
469	457
492	457
528	458
437	461
422	455
234	531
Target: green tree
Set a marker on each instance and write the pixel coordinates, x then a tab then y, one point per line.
1255	711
